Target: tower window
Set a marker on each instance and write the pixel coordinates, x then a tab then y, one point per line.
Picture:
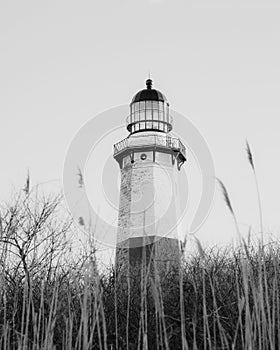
143	156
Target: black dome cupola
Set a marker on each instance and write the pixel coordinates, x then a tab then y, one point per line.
149	94
149	110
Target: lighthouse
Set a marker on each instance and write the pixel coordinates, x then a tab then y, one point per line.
150	160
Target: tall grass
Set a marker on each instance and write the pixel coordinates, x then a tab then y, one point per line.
218	299
230	299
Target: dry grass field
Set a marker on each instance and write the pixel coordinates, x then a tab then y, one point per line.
219	299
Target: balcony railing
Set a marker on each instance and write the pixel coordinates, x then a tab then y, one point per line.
164	141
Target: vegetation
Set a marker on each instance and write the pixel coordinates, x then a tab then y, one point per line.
49	299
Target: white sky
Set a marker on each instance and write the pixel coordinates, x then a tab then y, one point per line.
62	62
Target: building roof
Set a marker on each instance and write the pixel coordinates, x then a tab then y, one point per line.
149	94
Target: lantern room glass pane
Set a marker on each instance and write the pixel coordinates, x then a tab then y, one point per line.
160	106
142	115
142	125
148	114
149	125
155	114
136	106
155	125
142	105
148	104
155	104
136	116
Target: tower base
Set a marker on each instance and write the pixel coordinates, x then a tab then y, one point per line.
149	254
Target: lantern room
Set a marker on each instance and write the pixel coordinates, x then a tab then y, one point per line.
149	110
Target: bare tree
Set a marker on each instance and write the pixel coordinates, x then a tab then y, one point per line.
34	235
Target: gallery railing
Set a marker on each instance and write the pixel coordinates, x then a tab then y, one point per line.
150	140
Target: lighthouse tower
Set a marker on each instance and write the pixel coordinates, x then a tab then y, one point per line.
150	159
